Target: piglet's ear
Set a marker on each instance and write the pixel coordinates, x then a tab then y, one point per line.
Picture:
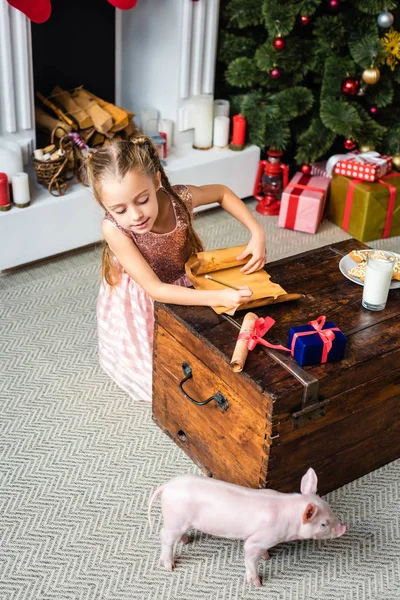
310	512
309	482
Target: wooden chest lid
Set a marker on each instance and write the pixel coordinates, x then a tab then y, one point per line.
373	347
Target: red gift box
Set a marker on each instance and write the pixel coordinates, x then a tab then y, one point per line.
303	202
367	166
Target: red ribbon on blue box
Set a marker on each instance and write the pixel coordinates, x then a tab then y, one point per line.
326	334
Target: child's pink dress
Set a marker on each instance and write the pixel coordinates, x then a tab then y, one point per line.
125	312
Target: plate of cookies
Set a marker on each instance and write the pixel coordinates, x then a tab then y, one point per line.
353	267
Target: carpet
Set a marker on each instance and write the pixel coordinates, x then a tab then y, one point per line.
79	461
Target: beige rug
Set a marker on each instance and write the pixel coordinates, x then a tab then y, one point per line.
79	460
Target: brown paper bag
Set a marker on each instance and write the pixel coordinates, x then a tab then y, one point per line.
223	265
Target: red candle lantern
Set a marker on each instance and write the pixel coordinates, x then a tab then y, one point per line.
272	178
238	132
5	203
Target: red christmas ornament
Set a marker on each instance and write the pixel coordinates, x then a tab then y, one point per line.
373	110
349	144
306	169
275	73
279	43
123	4
350	86
305	20
334	6
37	11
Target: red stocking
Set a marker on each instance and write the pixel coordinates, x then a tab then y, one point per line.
123	4
37	11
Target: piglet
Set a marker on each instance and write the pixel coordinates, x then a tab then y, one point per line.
262	518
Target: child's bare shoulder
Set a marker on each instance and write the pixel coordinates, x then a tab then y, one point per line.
112	231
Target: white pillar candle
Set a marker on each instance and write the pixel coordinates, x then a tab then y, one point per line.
221	131
167	126
203	121
149	120
20	189
221	108
10	157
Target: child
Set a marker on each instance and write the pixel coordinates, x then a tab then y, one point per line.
149	237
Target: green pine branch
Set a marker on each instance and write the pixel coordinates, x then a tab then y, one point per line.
367	130
243	14
336	69
340	117
279	16
293	103
374	7
367	51
305	110
242	72
381	94
234	46
313	143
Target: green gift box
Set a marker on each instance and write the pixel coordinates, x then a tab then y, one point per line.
367	211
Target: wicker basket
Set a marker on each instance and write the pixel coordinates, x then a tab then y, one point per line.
55	174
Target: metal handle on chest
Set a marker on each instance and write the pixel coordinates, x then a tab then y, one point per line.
221	401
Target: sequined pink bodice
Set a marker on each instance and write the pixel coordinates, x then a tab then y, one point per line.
166	253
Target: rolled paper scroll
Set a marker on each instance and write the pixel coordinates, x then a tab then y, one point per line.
241	350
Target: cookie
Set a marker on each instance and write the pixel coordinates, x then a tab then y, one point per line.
396	270
358	256
359	271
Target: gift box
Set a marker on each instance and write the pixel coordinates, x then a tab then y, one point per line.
368	166
367	211
319	169
318	342
303	203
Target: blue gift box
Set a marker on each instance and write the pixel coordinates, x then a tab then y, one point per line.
308	349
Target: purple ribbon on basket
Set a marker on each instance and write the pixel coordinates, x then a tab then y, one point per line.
78	141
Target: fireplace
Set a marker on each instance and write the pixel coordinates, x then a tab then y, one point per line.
76	46
159	54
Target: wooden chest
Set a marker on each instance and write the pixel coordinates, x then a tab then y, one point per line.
265	426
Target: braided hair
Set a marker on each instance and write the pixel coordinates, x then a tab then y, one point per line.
116	160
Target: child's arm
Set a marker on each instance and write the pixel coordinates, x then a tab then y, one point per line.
207	194
138	268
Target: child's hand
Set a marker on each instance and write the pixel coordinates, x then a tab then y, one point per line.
257	248
232	298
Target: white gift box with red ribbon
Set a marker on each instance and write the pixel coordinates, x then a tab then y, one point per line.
368	166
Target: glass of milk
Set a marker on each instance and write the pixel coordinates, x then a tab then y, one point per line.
378	276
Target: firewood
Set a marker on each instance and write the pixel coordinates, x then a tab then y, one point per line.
130	130
102	120
58	95
98	139
47	123
120	116
60	114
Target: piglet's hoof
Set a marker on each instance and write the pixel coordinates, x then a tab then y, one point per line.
266	555
185	539
256	581
168	564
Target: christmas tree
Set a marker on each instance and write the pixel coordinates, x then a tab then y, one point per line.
314	77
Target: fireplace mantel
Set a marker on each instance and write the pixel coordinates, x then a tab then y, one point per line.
165	53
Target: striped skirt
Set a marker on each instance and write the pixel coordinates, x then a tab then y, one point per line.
125	317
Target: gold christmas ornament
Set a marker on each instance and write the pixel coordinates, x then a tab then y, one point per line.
396	161
371	75
367	148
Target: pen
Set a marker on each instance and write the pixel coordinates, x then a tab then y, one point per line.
233	287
